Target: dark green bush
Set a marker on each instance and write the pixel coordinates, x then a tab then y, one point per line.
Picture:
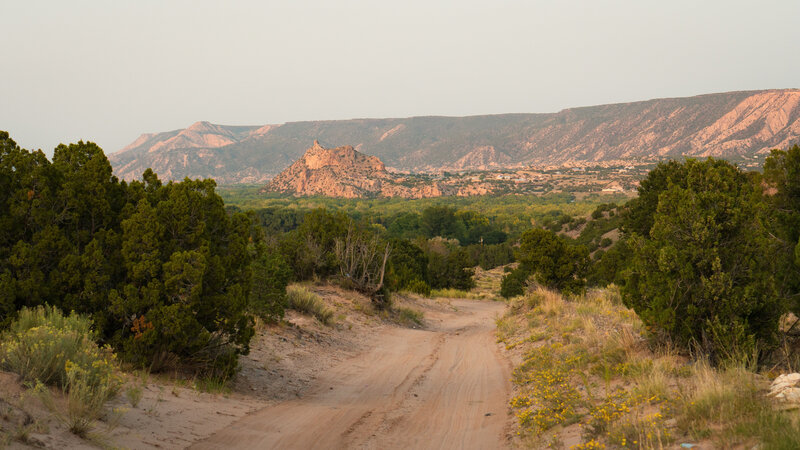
702	275
420	287
782	175
608	265
490	256
309	249
271	274
514	283
407	268
163	270
553	261
449	266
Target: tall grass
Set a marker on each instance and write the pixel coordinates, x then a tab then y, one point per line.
633	395
730	400
303	300
456	293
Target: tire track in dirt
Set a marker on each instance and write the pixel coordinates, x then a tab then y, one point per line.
445	387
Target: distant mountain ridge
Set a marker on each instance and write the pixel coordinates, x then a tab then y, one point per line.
731	125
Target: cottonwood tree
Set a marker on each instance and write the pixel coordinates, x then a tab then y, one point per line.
362	257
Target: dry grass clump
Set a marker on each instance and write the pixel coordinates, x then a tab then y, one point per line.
729	406
589	379
408	316
301	299
457	293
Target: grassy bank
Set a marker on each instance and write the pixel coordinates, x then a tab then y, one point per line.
586	378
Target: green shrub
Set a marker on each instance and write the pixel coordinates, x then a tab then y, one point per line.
449	266
782	175
181	343
86	398
309	249
268	295
553	261
703	275
419	287
407	267
44	345
74	236
303	300
608	265
514	283
134	394
490	256
409	317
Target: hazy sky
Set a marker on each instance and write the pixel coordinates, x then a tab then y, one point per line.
107	71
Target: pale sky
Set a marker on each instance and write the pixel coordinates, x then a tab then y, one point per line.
107	71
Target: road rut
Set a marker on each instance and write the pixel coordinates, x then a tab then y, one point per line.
443	387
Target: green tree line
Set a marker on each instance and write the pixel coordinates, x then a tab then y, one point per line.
172	279
709	255
162	269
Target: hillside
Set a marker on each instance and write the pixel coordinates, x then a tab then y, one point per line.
733	125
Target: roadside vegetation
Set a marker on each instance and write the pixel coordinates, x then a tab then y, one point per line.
702	317
589	377
48	349
301	299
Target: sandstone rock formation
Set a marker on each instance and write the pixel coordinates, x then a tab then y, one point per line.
344	172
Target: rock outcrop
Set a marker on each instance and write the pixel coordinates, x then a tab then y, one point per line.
786	390
344	172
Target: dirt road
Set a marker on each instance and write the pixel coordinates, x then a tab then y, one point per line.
444	387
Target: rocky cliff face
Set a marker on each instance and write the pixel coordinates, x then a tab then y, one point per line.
733	125
344	172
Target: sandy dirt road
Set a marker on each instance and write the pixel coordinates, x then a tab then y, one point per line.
443	387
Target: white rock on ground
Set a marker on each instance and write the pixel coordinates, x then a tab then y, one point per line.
785	388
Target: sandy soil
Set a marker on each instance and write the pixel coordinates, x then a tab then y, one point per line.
443	387
365	382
